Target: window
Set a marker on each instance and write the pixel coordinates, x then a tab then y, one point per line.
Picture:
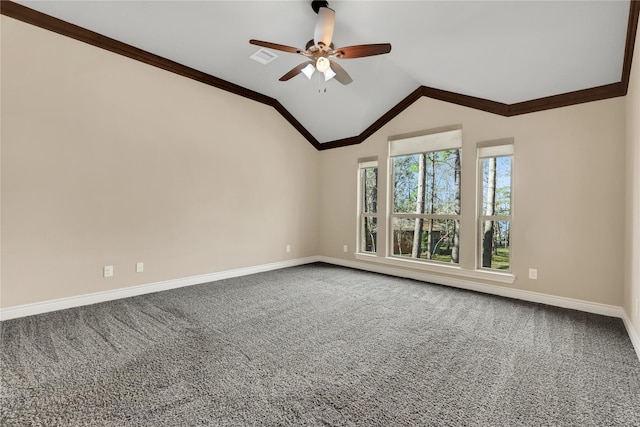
425	205
368	220
495	162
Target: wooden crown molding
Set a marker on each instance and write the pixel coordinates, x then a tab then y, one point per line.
47	22
39	19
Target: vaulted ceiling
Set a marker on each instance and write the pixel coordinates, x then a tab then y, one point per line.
504	57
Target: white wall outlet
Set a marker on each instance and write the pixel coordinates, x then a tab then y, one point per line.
107	271
139	267
533	273
288	248
345	248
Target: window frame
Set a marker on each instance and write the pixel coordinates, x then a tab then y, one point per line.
485	150
363	165
431	141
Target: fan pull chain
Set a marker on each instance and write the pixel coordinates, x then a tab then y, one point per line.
320	80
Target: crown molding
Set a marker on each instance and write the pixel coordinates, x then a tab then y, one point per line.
613	90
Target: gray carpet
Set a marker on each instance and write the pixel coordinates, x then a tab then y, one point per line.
318	345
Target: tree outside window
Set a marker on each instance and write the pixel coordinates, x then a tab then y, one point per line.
425	221
495	163
368	227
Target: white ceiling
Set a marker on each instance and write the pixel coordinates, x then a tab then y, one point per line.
504	51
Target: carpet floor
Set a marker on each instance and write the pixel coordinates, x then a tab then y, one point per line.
318	345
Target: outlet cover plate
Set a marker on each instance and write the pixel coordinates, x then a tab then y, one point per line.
107	271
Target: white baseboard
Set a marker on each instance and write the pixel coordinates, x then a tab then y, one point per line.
633	334
571	303
575	304
93	298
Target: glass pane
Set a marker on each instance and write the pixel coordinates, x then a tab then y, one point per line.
495	245
427	183
405	183
431	239
369	234
443	182
496	186
370	190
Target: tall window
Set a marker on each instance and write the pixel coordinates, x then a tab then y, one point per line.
368	227
495	166
425	214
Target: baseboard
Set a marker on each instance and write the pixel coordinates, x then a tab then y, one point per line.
571	303
633	334
93	298
77	301
575	304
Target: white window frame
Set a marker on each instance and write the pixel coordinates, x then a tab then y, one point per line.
362	214
440	139
487	149
465	274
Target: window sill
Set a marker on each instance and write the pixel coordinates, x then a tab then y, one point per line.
444	269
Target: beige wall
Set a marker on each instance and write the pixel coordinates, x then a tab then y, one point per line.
105	160
108	161
632	226
568	192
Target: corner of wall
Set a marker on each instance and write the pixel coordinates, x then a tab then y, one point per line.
631	302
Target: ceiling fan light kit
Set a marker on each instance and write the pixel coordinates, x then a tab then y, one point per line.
308	70
329	74
322	64
320	51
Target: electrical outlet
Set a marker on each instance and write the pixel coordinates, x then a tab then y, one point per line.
139	267
345	248
288	248
107	271
533	273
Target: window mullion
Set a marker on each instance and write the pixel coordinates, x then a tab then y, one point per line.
424	216
494	218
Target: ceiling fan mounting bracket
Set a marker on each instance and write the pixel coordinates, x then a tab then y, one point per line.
316	5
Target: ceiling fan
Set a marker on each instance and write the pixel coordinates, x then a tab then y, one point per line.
321	52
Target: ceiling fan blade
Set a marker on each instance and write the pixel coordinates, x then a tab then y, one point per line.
324	27
362	50
275	46
341	75
294	72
